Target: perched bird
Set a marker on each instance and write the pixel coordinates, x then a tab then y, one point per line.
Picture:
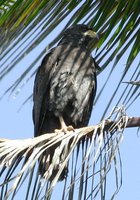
65	84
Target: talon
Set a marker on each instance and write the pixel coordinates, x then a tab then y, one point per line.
64	127
70	128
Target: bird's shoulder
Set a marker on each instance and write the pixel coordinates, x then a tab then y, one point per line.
46	68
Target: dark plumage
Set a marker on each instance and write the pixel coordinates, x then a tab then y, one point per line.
65	83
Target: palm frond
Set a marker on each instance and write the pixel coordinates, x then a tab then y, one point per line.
33	21
31	28
97	155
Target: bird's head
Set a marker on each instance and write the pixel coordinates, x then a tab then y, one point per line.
80	34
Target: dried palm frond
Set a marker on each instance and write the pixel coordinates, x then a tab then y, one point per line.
89	153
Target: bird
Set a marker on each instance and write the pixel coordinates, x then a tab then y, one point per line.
65	85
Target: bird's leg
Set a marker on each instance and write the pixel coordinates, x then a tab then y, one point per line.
64	127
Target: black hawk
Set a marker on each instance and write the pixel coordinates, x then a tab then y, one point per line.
65	83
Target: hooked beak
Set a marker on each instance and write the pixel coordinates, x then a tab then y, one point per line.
92	34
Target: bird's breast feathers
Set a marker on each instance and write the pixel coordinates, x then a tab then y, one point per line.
72	80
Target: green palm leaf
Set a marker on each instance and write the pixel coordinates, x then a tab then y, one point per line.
117	21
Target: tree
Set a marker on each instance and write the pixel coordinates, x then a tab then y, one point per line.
24	26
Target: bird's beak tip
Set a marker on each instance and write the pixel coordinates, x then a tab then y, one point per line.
97	36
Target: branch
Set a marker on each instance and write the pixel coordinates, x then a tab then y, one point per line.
30	150
133	82
112	126
133	122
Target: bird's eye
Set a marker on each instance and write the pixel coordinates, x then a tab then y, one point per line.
85	30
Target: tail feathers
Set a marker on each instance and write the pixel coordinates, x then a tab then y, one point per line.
49	169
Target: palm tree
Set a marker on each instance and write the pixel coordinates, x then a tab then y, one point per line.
26	26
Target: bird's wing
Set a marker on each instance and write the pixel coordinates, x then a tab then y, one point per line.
41	86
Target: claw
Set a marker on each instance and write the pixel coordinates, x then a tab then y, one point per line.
64	127
70	128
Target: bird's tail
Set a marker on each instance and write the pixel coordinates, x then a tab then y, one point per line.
50	166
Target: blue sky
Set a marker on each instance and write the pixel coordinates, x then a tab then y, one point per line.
16	124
